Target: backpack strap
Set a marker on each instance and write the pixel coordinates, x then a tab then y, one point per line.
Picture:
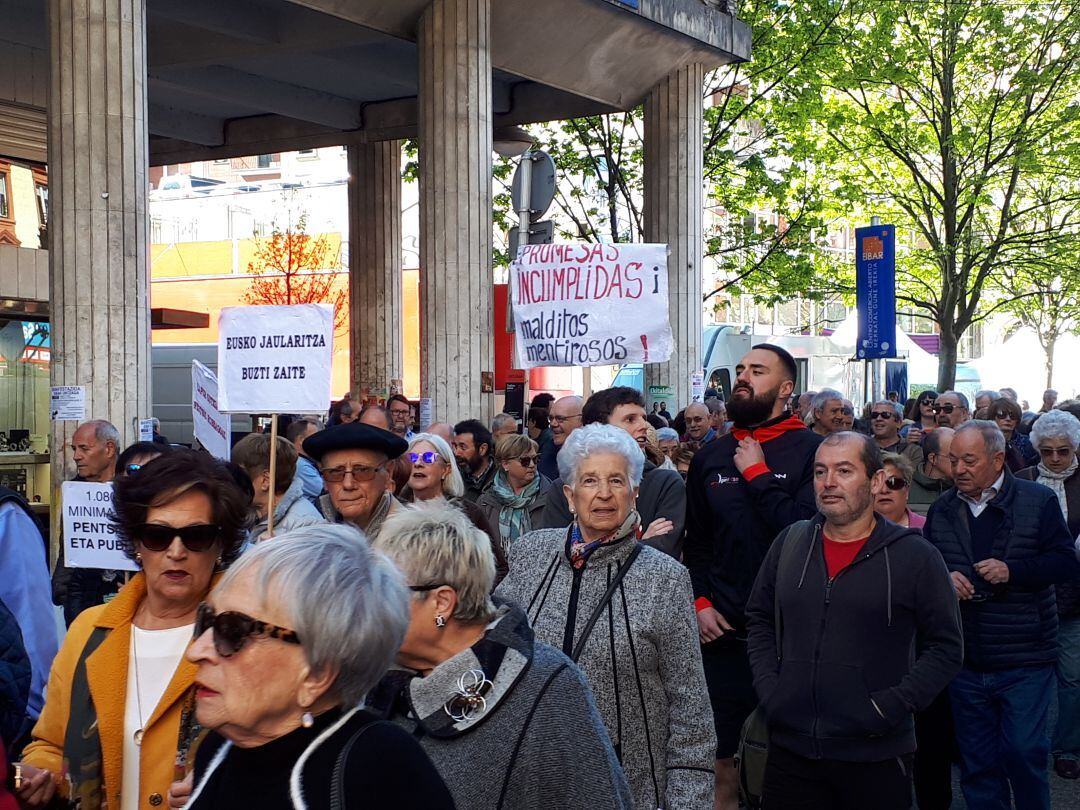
337	784
604	600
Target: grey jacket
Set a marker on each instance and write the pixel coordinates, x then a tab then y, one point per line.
662	495
643	659
291	511
538	743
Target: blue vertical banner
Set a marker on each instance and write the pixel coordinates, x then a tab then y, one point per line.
875	291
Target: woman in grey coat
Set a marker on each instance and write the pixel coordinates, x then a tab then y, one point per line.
507	721
514	502
636	638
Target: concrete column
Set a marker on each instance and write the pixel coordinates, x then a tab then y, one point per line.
673	213
98	280
457	343
375	318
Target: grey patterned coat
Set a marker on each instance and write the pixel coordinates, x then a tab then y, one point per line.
642	660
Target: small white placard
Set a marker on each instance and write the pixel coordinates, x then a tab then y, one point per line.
212	427
425	412
697	386
146	430
67	402
89	539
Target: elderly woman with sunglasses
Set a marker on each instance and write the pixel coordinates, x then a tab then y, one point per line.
892	502
1056	437
515	500
111	726
1019	452
281	678
435	477
625	613
508	721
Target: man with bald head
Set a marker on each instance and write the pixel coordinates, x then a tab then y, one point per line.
564	417
699	430
377	416
444	430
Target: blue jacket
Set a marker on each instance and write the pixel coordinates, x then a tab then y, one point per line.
1015	624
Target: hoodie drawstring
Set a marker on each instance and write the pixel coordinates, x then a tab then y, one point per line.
888	585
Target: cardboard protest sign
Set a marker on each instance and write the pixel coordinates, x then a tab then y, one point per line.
275	359
212	427
89	539
590	305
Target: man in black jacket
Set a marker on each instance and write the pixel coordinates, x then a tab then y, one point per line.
1006	544
742	490
853	627
661	501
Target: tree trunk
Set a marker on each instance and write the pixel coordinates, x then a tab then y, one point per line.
946	375
1050	343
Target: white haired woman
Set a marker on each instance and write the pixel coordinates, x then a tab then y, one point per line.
624	612
287	647
508	721
1056	437
518	493
435	477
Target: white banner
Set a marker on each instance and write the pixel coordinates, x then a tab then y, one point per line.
212	427
275	359
89	539
590	305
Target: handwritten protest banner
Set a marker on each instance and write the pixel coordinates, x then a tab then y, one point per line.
590	305
89	539
275	359
212	427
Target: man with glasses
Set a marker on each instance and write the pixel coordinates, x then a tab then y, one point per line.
401	413
951	409
885	421
699	430
1006	544
354	460
564	415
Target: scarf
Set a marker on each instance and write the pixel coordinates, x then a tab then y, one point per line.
514	518
578	549
1056	482
378	515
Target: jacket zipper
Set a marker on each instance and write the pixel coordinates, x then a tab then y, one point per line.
571	613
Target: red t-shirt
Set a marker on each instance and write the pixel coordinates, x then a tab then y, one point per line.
839	556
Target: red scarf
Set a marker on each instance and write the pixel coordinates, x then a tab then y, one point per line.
769	430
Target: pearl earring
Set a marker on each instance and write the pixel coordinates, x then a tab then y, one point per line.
307	720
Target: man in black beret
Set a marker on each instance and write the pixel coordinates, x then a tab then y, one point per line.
354	460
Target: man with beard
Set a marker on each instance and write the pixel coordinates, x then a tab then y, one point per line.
743	490
473	448
853	627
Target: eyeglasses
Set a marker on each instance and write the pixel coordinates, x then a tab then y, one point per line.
232	630
359	472
526	461
947	408
428	458
1003	416
882	415
558	420
1063	452
896	483
424	588
158	536
847	411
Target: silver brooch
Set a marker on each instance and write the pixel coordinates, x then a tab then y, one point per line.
469	701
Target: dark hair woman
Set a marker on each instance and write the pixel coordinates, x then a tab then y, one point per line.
119	685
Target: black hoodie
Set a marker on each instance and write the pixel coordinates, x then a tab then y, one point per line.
849	680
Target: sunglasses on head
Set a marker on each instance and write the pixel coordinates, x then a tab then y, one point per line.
895	483
158	536
428	458
882	415
132	468
232	630
946	408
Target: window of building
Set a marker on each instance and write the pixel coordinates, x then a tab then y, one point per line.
263	161
5	196
7	214
307	154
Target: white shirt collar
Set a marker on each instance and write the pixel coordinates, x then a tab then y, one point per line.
977	505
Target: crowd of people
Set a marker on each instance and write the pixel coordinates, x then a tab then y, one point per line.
609	606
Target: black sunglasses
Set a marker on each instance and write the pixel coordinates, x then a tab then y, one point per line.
158	536
882	415
232	630
895	483
947	408
527	461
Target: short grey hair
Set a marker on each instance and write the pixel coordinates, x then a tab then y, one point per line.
986	392
346	602
715	405
436	544
960	397
1056	424
893	406
104	431
822	398
453	485
600	438
993	438
666	433
502	420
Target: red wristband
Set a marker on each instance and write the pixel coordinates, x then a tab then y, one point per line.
701	603
754	470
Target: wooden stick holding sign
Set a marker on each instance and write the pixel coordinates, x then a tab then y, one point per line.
273	476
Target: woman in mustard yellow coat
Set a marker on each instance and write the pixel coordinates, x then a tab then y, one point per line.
110	729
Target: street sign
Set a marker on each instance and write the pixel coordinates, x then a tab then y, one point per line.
541	181
875	291
540	233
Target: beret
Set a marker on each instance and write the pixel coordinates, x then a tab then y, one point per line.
354	435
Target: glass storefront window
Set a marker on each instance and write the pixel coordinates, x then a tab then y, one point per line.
24	406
